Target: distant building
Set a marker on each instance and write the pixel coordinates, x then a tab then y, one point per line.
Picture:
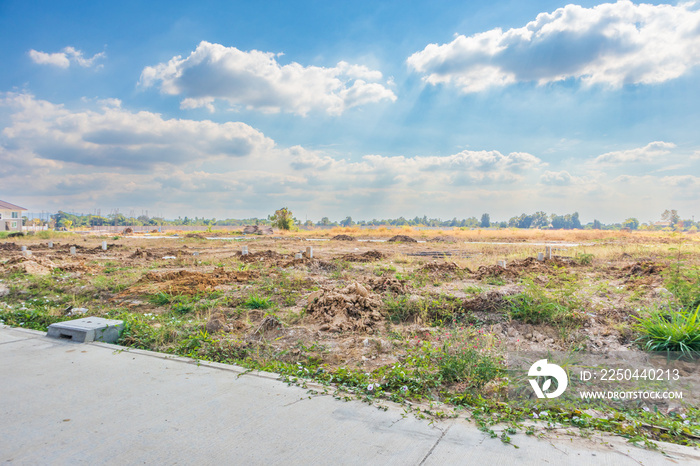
662	224
10	217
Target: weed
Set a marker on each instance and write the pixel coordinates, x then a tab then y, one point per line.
384	270
536	306
584	258
495	281
670	331
162	298
257	302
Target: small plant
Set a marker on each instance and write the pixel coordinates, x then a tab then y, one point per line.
584	259
670	331
257	302
182	308
162	298
537	306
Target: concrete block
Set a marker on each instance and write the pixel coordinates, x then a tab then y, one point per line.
50	244
548	252
244	251
104	245
297	255
309	252
502	264
87	329
72	250
23	248
540	256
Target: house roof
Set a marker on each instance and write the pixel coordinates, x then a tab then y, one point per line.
8	206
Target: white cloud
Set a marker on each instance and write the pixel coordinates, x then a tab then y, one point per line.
112	136
64	58
256	80
103	156
652	152
612	44
562	178
461	169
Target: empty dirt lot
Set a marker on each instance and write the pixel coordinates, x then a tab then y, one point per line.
426	318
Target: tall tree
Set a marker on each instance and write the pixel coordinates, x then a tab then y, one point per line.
485	221
283	219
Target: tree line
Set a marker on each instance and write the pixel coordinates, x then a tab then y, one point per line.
284	218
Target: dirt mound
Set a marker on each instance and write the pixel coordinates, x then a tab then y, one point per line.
393	285
343	238
353	308
257	230
154	253
489	301
186	282
443	239
367	256
517	267
33	266
642	269
401	239
442	268
42	266
319	265
264	256
195	235
128	231
491	271
10	247
143	254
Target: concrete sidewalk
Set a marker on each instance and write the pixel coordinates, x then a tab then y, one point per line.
70	403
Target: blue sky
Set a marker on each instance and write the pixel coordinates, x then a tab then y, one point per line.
368	109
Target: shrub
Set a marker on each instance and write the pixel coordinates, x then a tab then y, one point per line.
677	331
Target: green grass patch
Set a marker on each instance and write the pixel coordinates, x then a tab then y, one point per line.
677	331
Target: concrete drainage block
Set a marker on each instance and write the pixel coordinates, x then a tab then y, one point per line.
87	329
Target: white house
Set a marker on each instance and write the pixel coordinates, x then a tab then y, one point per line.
10	217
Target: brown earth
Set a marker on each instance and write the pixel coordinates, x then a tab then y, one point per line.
401	239
442	239
368	256
189	283
352	308
441	268
390	284
344	238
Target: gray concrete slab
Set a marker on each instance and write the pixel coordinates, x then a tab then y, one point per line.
70	403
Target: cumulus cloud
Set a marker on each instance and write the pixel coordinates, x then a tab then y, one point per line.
650	153
562	178
102	155
112	136
64	58
256	80
611	44
461	169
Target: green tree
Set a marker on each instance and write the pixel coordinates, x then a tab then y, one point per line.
485	221
671	216
597	225
283	219
347	222
631	223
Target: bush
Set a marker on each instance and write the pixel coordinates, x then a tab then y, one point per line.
677	331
